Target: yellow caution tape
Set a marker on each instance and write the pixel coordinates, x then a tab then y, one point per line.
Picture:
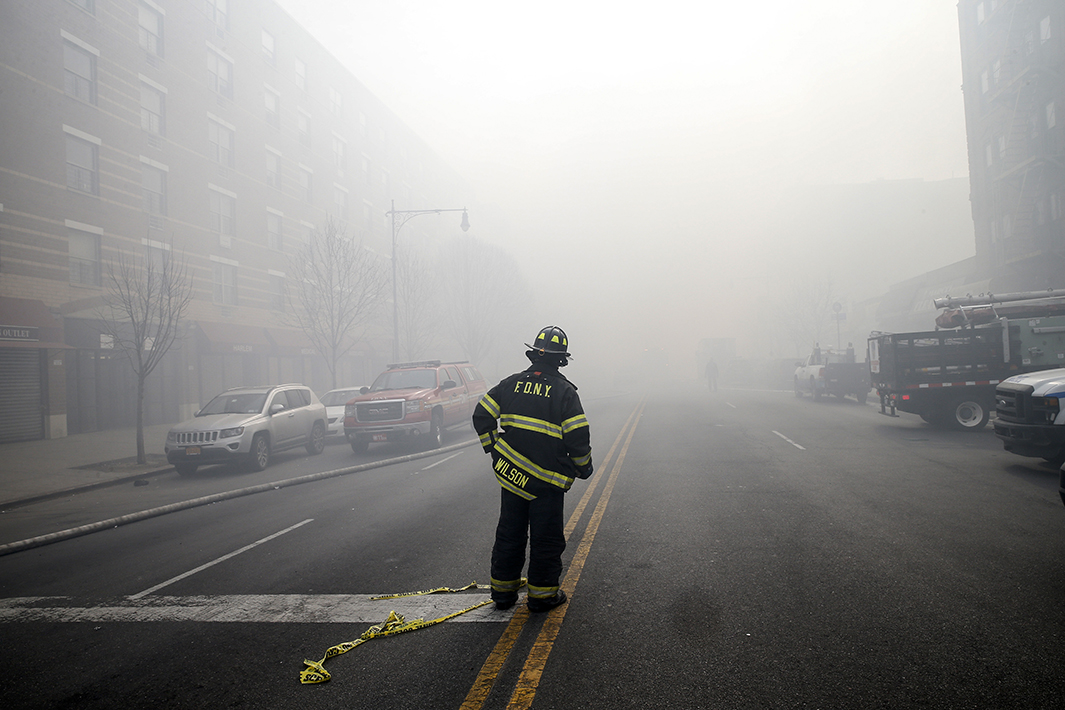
438	590
395	624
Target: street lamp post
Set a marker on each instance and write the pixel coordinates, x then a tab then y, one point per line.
399	218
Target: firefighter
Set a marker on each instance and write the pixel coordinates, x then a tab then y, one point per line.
543	447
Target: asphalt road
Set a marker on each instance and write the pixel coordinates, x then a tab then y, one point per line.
741	549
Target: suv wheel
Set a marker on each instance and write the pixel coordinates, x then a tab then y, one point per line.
260	452
436	431
317	443
359	446
185	469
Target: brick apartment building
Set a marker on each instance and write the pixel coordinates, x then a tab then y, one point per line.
1013	83
1013	74
219	129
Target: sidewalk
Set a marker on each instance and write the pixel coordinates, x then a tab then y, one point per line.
37	469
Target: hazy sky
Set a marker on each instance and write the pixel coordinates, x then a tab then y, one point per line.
625	147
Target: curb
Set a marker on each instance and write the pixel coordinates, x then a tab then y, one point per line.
40	540
40	497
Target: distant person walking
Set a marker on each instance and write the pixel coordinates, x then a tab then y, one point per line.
711	375
544	445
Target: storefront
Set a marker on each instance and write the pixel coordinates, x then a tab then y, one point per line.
32	378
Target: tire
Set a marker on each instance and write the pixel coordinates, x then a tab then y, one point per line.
260	453
798	392
965	414
317	443
359	446
862	397
436	431
185	469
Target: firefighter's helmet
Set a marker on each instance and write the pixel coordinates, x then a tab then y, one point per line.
551	340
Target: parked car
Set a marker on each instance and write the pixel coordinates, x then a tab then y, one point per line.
248	425
415	402
334	401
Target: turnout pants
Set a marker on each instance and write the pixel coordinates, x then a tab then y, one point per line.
538	521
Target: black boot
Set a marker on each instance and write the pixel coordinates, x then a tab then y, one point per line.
536	605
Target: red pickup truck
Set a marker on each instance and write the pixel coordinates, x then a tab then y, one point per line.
414	402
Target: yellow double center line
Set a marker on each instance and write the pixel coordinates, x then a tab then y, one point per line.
532	671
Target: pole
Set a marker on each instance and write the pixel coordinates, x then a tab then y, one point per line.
395	302
405	216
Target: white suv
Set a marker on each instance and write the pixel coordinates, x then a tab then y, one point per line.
248	424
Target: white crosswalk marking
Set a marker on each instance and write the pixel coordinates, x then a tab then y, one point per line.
265	608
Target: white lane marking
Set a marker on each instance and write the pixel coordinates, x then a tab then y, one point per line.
789	440
731	404
442	461
261	608
223	558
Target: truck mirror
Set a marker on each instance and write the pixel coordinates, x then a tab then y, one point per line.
364	390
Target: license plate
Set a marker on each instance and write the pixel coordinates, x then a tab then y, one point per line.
380	437
192	451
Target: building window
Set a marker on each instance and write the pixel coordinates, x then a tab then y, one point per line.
338	155
996	71
1029	42
273	169
218	13
268	47
273	107
221	140
151	29
153	186
1002	147
223	207
301	74
84	255
340	201
981	13
985	83
336	102
220	74
225	284
153	110
1052	119
158	255
88	6
1044	30
82	166
273	230
366	169
987	153
79	73
277	292
303	127
306	178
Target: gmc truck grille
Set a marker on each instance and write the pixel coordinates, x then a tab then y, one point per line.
196	437
391	411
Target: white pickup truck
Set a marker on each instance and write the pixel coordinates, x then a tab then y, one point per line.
832	372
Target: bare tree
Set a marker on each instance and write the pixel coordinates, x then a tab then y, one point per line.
808	312
483	290
419	307
146	299
337	287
